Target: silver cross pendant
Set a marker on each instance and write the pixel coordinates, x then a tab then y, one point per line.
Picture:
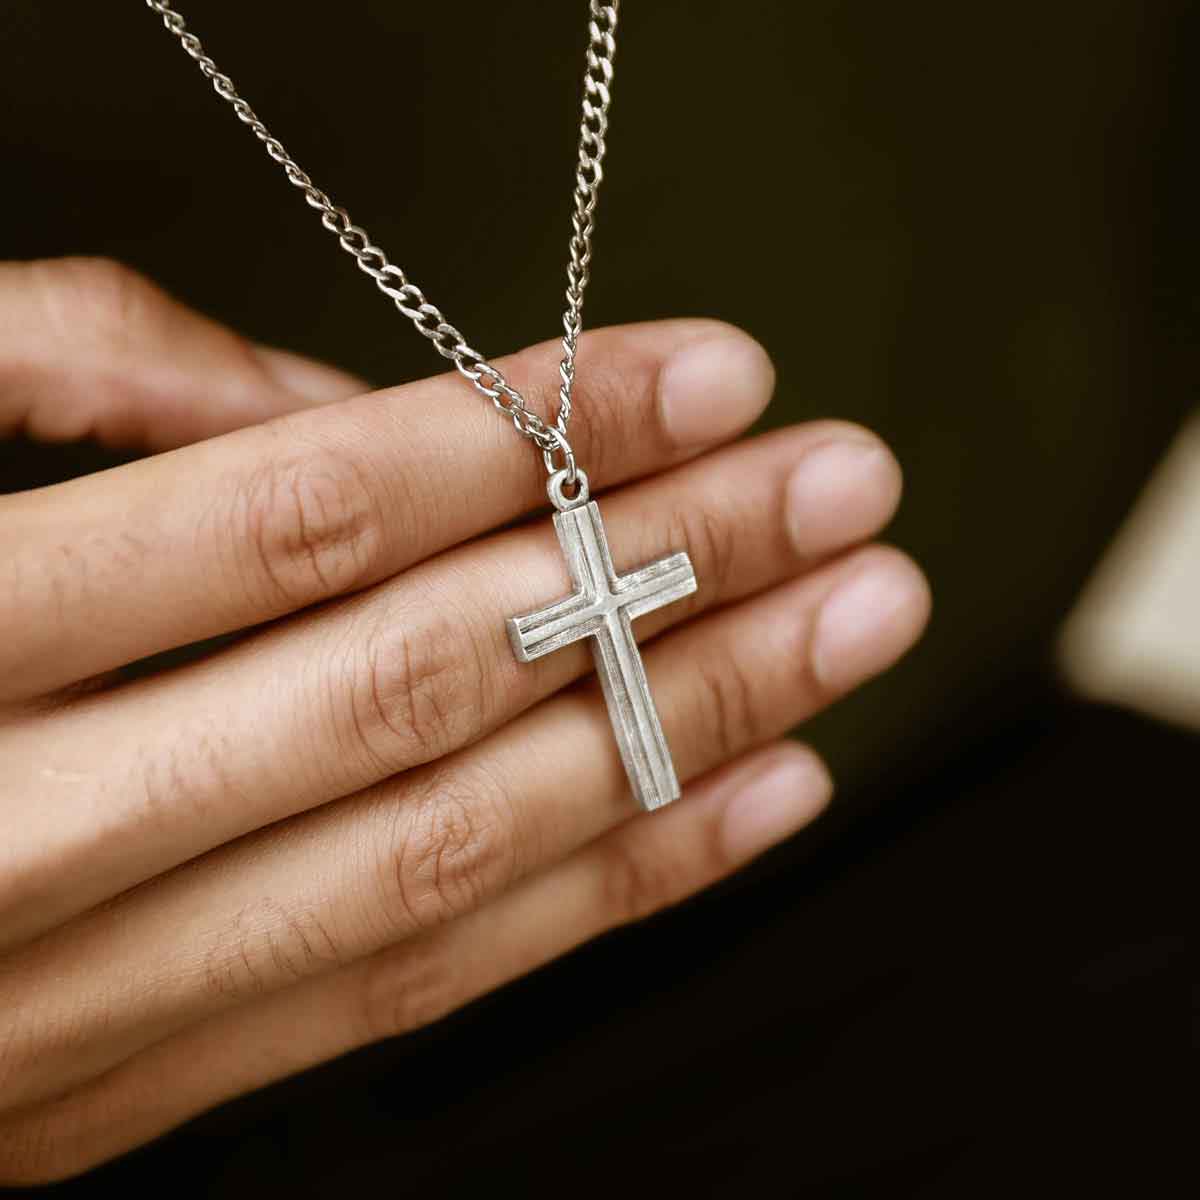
601	608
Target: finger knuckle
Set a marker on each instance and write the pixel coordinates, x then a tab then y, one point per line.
300	944
94	297
730	718
612	420
711	540
263	945
636	882
90	313
301	526
404	989
454	844
417	684
188	775
230	965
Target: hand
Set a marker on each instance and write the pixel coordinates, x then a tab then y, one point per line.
364	812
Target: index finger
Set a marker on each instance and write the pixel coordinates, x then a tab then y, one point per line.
224	534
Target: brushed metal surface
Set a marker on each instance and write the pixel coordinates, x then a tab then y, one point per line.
601	608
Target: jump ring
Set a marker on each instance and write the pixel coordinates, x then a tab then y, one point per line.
560	443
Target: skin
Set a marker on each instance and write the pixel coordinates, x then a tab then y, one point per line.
349	819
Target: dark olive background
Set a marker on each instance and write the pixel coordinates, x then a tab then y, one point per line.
971	227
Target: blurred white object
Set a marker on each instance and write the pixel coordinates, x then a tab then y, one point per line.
1133	638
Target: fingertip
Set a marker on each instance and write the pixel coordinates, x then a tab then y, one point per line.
713	388
870	619
772	795
841	491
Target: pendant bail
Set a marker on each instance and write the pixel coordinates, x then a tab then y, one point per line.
554	489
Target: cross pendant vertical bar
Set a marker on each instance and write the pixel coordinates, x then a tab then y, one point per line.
601	608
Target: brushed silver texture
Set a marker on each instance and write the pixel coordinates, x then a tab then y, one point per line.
601	608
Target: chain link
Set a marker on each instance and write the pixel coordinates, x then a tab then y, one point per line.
551	439
593	125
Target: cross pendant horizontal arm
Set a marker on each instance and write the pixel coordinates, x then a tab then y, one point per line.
601	608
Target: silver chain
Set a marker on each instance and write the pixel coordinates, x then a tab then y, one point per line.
551	439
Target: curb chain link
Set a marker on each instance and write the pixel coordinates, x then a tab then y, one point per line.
551	439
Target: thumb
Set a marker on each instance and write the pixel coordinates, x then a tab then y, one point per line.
90	348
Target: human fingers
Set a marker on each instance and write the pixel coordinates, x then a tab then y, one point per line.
722	821
335	884
240	529
329	702
90	348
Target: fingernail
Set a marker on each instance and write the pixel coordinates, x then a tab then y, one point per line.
713	389
774	802
867	622
840	492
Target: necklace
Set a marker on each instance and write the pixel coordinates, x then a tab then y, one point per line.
603	604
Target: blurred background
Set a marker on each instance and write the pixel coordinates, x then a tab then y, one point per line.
969	227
